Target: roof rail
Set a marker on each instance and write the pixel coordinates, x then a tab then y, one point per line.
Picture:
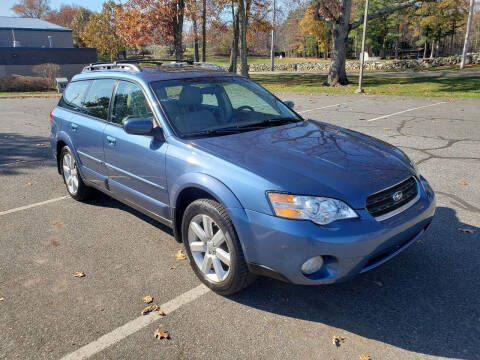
132	64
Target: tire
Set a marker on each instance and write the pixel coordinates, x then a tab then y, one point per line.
214	251
71	177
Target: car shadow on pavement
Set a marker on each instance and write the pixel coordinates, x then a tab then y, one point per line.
425	300
19	152
103	200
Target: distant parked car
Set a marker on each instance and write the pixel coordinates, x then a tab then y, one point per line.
246	183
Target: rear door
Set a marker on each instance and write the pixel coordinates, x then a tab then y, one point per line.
136	163
88	102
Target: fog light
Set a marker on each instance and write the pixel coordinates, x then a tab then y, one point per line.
312	265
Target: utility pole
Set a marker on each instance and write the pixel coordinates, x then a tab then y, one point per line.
272	45
362	54
467	34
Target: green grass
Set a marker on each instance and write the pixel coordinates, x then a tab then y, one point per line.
29	93
464	86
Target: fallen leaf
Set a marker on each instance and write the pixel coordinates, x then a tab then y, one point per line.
161	313
465	230
161	334
180	255
29	184
173	267
336	340
1	299
79	274
149	309
364	357
463	183
387	128
41	145
147	299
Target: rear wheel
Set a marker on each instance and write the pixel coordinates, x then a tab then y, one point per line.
73	181
213	247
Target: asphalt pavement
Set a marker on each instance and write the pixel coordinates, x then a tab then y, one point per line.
424	304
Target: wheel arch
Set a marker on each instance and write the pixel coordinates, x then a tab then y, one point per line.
191	187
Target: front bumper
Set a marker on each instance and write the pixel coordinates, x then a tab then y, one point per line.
349	247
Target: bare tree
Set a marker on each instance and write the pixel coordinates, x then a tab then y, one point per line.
234	51
31	8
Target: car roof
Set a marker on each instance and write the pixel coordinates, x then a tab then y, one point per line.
158	73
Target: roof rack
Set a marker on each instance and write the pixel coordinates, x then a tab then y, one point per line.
130	64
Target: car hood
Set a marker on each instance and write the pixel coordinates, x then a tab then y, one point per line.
314	158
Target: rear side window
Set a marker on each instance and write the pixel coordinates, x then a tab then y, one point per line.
97	100
129	102
74	94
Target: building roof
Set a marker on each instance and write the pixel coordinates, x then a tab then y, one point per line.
18	23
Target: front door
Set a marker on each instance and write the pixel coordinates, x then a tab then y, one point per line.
136	163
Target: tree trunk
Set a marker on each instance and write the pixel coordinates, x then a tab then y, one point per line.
204	31
432	51
425	50
242	26
467	34
340	28
272	45
196	56
234	51
178	30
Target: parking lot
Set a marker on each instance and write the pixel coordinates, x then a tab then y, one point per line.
424	304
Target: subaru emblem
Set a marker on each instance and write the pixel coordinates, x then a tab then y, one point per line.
397	196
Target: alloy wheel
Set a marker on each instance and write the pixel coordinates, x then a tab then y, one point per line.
209	247
70	173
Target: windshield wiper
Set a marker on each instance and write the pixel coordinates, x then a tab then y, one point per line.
224	131
275	122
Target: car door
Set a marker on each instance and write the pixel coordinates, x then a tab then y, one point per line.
136	163
89	100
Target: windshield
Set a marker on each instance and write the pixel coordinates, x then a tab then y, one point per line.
219	105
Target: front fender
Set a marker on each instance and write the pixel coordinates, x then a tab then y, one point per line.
207	183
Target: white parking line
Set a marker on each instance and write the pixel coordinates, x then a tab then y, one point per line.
320	108
404	111
33	205
135	325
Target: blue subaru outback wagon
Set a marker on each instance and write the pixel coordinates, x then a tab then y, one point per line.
248	185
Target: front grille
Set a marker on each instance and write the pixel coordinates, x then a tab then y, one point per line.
382	202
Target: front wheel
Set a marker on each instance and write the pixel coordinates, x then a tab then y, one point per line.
74	183
213	247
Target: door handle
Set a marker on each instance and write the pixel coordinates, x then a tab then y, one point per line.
74	126
111	140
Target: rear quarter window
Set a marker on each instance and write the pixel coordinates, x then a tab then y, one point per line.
74	94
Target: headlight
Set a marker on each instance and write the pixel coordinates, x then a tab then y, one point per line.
320	210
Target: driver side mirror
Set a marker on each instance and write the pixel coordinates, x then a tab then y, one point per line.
138	126
290	104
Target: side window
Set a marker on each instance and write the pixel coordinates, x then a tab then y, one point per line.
74	94
98	98
129	102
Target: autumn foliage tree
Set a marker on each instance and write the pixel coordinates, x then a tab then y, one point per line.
338	12
31	8
101	33
140	22
63	16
